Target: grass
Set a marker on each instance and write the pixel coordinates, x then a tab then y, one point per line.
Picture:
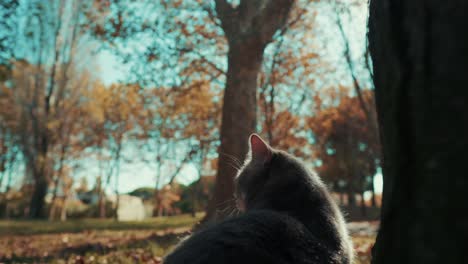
31	227
108	241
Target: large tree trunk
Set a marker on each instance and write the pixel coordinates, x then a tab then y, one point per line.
36	209
238	121
420	57
248	27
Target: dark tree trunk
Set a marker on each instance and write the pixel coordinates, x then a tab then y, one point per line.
363	205
249	27
193	212
238	121
420	57
102	204
194	193
36	209
351	196
117	204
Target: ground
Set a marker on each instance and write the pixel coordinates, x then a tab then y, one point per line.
107	241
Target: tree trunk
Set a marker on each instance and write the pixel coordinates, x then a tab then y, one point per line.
420	56
157	202
238	121
102	204
37	199
351	196
117	204
193	195
52	209
248	27
63	209
2	174
363	205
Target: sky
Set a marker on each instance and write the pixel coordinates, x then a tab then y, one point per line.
135	175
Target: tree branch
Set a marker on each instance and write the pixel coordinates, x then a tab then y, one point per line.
347	54
226	13
271	18
187	157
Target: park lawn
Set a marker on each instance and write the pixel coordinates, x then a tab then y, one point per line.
31	227
106	241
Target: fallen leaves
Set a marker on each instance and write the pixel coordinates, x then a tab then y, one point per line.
128	246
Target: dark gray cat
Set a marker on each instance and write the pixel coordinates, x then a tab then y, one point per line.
289	217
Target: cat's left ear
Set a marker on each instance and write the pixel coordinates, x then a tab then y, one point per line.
259	149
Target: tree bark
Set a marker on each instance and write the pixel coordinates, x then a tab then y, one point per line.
351	195
238	121
36	209
249	27
420	57
63	209
363	205
102	205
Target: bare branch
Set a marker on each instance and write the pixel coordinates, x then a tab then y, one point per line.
347	54
187	157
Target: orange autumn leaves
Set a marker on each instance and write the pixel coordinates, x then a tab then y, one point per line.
345	142
336	136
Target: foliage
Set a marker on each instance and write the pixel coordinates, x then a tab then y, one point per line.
195	197
144	193
346	146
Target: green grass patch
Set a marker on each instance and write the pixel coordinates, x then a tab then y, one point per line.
33	227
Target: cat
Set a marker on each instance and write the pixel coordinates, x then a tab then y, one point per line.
288	216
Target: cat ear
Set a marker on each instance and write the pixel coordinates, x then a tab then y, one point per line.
259	149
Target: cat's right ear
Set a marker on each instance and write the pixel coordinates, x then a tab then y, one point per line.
259	149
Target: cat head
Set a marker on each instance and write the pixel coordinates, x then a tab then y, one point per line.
269	178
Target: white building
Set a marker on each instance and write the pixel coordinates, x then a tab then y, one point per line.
131	208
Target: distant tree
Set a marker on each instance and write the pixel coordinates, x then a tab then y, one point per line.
8	147
8	138
346	147
42	57
420	52
115	114
8	34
